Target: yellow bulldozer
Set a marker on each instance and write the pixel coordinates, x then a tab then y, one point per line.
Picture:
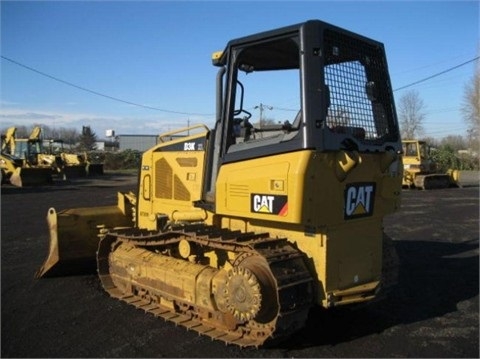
21	171
236	232
420	171
74	164
94	163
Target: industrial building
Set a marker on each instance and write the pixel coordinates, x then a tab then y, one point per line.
136	142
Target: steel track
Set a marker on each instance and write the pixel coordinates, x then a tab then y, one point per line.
293	282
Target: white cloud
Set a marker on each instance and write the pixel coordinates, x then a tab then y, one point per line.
12	116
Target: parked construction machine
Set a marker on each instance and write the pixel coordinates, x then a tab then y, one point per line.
20	171
75	164
236	232
65	165
419	170
94	163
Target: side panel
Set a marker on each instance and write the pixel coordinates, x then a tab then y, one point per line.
171	180
335	207
310	189
263	189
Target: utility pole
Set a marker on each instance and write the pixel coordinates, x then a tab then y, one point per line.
262	107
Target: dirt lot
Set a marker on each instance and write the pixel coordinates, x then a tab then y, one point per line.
432	313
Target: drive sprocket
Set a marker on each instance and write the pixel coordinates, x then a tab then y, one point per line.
243	295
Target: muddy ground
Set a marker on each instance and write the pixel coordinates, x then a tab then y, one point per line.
433	312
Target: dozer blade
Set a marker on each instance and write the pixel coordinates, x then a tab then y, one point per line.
74	238
465	178
94	169
74	171
31	176
433	181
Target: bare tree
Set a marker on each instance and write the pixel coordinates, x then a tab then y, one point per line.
265	122
456	142
69	135
411	115
471	108
338	117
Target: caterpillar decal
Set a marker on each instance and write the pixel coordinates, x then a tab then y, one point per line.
269	204
359	199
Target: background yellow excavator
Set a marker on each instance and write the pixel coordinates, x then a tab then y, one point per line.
237	231
21	170
65	165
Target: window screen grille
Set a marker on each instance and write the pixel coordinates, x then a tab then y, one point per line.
351	67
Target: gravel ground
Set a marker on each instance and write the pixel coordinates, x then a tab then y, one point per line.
433	312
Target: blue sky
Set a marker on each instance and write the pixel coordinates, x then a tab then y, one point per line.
158	53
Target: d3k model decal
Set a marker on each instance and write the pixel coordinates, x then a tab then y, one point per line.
269	204
359	199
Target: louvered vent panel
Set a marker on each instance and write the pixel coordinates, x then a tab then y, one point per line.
187	161
238	190
181	193
163	179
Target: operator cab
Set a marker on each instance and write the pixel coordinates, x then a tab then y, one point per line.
339	86
306	86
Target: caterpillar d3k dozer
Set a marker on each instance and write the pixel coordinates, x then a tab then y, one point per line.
419	170
237	231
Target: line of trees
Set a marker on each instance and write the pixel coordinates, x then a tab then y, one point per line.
411	114
84	141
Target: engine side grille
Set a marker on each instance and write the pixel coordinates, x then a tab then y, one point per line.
163	179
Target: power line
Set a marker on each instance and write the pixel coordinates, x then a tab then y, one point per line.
449	131
437	74
443	110
286	109
99	93
199	114
431	64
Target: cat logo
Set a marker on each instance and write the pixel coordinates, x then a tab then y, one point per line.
189	146
269	204
359	199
